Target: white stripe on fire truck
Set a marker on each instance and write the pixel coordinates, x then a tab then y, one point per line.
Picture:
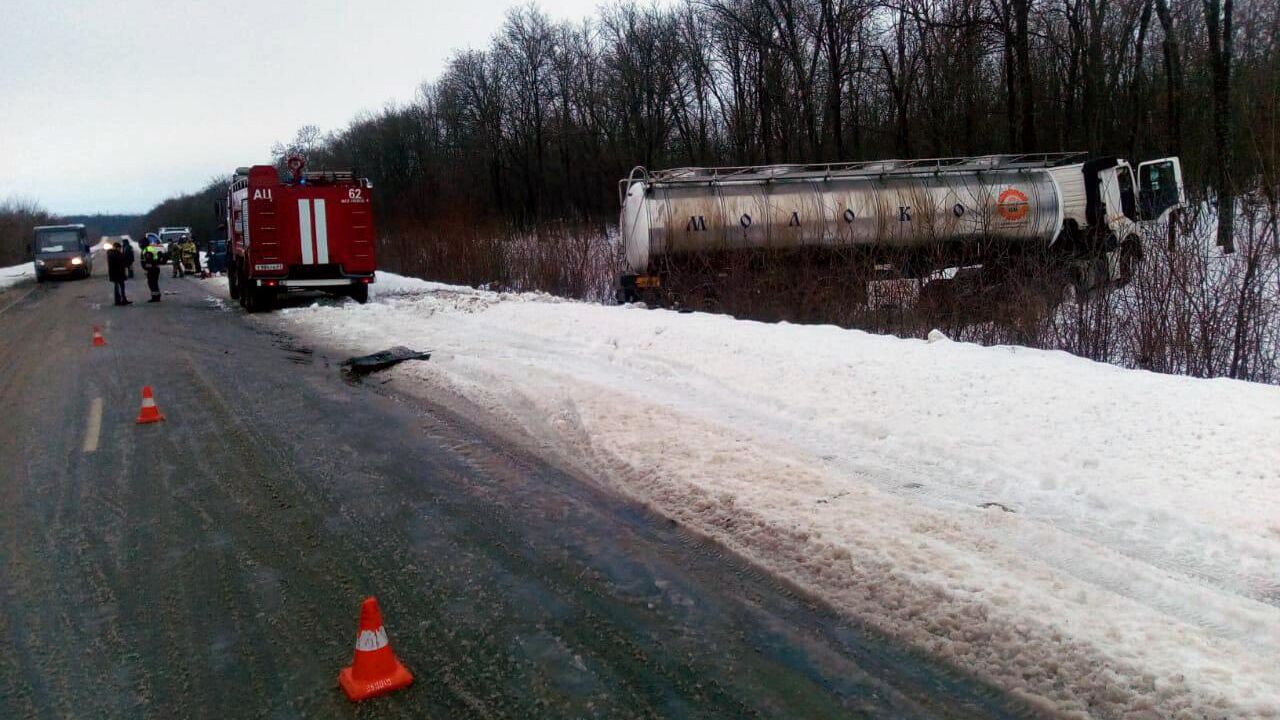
304	229
322	232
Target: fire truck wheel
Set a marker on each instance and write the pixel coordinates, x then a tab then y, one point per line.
360	293
233	283
258	300
1130	258
266	300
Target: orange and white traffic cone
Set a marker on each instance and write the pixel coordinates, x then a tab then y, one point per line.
375	669
149	413
98	340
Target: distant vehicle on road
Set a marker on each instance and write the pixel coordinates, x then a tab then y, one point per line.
312	232
170	235
62	251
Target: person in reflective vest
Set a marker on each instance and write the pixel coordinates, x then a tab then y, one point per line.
151	262
190	255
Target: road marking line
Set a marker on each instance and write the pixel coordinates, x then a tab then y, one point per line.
95	426
20	298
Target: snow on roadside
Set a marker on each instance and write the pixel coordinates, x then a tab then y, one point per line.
1103	542
15	274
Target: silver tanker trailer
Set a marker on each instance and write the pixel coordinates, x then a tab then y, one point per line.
921	215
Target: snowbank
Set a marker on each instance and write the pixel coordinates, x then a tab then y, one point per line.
1104	542
15	274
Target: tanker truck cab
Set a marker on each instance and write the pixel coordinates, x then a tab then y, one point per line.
1107	213
1122	202
1160	189
312	231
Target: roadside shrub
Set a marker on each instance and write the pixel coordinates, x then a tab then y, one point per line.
17	219
1187	308
570	258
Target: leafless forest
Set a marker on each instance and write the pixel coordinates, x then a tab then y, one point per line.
543	122
17	218
503	170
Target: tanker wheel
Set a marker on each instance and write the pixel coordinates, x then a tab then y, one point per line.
1130	258
1089	277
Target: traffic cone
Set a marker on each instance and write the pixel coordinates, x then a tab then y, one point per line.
149	413
98	340
374	670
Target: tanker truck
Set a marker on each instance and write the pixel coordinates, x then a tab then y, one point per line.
920	216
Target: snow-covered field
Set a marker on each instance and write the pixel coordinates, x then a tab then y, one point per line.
1103	542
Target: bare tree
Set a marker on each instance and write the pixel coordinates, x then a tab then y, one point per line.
1217	15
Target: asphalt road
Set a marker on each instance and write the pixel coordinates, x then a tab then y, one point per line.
213	565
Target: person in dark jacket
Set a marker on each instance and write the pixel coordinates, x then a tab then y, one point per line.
116	273
128	257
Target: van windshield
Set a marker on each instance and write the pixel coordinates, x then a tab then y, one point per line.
52	241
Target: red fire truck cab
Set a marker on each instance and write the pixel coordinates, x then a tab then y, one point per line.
314	232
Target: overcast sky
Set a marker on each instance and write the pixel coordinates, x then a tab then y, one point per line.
113	105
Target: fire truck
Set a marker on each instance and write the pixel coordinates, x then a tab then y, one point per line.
311	231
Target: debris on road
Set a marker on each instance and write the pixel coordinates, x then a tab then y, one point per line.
366	364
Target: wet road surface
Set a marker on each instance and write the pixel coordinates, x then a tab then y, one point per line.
213	565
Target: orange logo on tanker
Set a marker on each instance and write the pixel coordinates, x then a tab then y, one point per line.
1013	204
